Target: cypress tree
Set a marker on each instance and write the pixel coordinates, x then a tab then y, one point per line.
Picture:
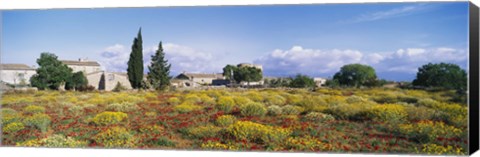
159	69
135	63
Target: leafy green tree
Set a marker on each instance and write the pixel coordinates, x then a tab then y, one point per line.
302	81
442	75
228	71
159	70
278	82
332	83
356	75
135	62
51	73
247	74
78	81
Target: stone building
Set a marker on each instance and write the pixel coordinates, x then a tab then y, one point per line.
16	74
319	81
107	81
83	65
195	79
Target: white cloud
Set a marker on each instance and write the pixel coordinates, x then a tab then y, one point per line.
396	12
182	58
317	62
115	58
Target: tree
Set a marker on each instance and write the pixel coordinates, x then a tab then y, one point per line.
228	71
302	81
78	81
356	75
51	73
247	74
443	75
278	82
119	87
159	70
135	62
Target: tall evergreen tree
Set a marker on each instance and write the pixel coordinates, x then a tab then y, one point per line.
135	63
159	69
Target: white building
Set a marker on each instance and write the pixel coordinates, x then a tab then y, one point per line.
16	74
319	81
195	79
107	81
83	65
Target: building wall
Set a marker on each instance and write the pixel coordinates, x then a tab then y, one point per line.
85	69
15	76
203	80
320	81
94	79
111	80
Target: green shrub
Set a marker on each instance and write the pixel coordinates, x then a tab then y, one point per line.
246	130
209	145
253	109
388	113
53	141
38	120
122	107
349	111
109	118
173	101
275	99
225	120
294	98
76	110
274	110
62	141
192	98
419	113
13	127
355	99
434	149
255	96
307	143
186	107
427	102
241	100
9	115
428	131
318	117
291	110
207	131
32	109
225	104
312	104
116	137
206	99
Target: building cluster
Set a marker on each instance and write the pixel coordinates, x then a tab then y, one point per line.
20	74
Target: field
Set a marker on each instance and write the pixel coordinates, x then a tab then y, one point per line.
326	120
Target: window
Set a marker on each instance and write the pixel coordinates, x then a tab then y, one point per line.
21	75
111	77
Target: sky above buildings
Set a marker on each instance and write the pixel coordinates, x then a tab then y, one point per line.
394	38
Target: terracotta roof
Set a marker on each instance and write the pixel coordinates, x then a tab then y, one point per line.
15	67
81	63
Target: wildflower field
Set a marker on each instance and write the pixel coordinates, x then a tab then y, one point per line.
373	120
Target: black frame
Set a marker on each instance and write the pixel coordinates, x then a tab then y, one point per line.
474	106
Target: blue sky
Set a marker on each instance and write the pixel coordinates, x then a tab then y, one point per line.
394	38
